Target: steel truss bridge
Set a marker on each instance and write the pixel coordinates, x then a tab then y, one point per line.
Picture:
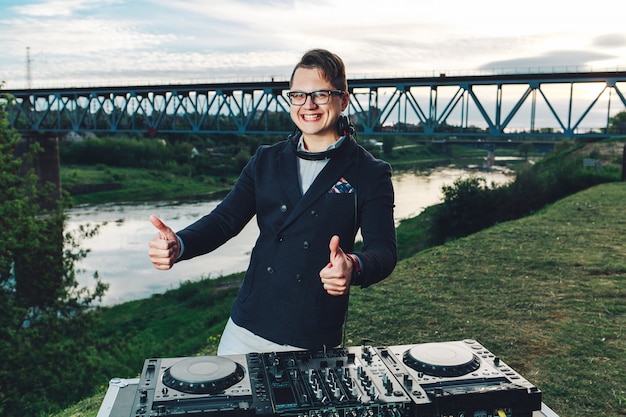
507	107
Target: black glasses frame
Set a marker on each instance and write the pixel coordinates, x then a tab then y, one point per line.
313	96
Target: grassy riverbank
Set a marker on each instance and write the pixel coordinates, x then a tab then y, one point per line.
547	293
134	184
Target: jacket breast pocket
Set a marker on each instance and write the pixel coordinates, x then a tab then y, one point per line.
341	208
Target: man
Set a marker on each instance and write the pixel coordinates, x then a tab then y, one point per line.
311	194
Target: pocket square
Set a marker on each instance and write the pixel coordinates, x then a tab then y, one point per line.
341	187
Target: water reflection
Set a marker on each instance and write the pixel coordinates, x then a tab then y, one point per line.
119	250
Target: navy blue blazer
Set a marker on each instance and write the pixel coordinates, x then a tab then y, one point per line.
282	298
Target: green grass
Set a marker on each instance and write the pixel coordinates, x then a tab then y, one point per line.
142	184
546	293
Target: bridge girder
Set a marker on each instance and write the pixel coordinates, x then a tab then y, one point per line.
554	105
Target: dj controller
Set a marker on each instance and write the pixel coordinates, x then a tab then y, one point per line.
448	379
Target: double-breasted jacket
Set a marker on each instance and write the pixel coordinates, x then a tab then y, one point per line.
282	298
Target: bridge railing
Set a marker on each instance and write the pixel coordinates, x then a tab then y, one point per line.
537	106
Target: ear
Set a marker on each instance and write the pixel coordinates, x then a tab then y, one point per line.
345	100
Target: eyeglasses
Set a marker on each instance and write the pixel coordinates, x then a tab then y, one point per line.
298	98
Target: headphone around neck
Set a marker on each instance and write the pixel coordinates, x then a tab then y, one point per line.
344	128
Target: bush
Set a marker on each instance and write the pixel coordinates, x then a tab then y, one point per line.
470	205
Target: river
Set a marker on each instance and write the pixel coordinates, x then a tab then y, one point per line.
118	253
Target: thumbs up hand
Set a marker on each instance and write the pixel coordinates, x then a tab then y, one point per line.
336	274
164	248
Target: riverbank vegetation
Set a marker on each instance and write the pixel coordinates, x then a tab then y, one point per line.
105	170
43	312
471	204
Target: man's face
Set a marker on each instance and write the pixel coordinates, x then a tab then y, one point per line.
316	121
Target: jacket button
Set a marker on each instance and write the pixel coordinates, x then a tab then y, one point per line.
270	269
279	238
314	213
298	277
305	245
283	208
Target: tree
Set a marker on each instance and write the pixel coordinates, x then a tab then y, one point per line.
617	123
525	148
388	143
45	322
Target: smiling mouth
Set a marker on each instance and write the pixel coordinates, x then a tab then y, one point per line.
311	117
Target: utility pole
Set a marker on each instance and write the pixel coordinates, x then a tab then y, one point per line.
29	80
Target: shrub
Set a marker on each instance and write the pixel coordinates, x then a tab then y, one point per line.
470	205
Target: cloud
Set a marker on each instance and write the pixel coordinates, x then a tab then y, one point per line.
56	8
554	60
610	40
79	40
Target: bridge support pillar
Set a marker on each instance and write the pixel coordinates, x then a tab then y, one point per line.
48	166
491	159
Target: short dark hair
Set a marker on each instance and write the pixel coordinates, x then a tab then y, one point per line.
330	66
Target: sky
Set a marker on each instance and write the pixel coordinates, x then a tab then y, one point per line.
119	42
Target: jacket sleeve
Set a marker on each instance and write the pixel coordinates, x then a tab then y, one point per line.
376	202
225	221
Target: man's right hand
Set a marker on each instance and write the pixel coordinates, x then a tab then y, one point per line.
164	247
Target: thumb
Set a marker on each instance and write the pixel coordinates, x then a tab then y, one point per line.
164	230
334	247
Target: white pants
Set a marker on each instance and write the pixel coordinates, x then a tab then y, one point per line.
235	339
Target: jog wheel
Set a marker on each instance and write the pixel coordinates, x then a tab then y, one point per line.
441	359
203	375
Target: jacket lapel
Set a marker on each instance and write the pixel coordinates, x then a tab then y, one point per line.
288	174
334	170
